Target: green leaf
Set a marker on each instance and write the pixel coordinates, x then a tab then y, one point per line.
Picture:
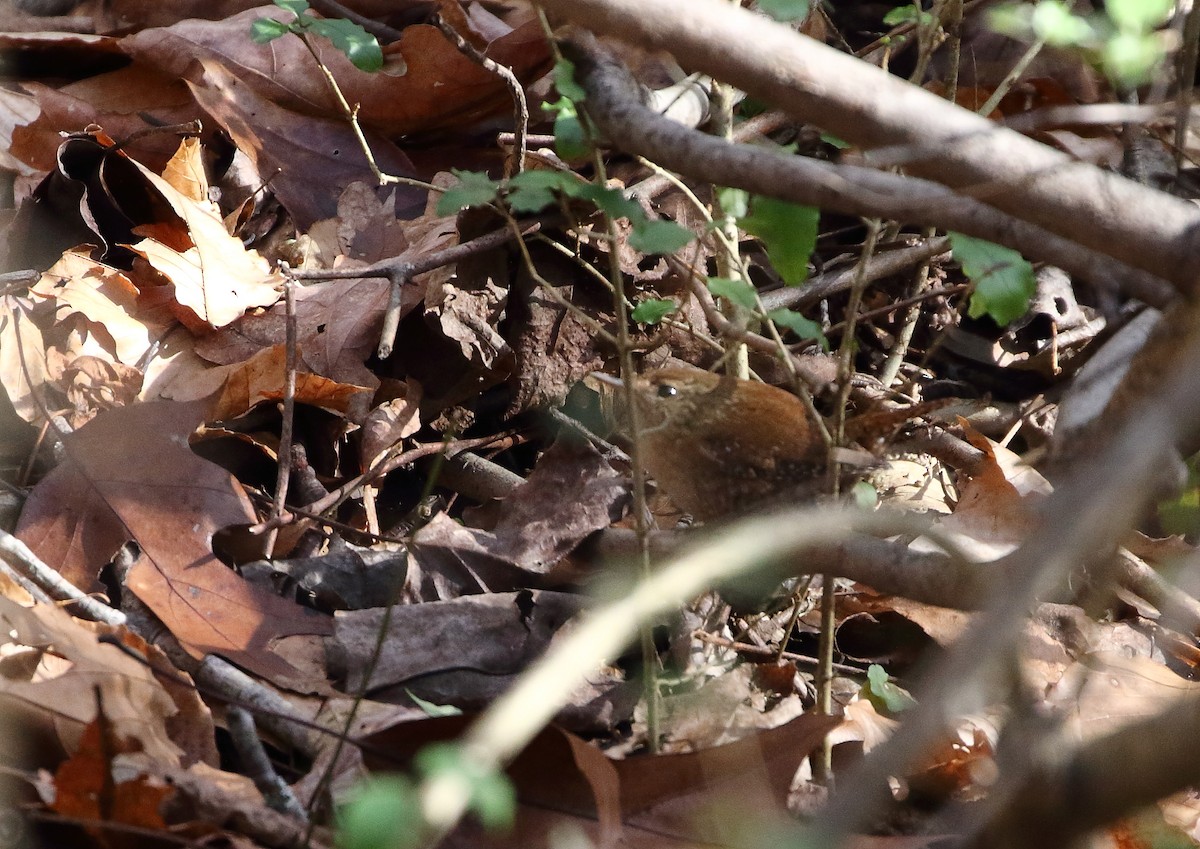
738	292
659	237
1131	58
883	694
265	29
533	191
612	202
1059	26
1181	514
492	797
734	202
564	81
789	232
383	813
430	709
1139	16
570	141
865	495
473	189
784	10
653	310
834	141
1003	278
360	46
906	15
803	327
296	7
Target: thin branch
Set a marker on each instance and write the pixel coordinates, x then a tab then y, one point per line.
515	163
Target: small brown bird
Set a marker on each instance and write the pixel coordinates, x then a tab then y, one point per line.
718	445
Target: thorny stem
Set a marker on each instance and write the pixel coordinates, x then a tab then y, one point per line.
822	766
640	509
729	262
916	292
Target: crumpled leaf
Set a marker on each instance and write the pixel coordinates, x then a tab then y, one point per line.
215	277
572	492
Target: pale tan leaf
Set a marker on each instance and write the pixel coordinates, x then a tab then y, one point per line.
217	279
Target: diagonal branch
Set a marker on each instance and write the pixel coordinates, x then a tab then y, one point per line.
613	103
864	105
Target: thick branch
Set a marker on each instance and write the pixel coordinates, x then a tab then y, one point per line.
613	103
860	103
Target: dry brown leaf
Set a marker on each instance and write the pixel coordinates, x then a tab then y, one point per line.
496	635
67	665
105	296
337	327
185	172
216	279
389	423
572	492
559	779
171	503
262	377
442	89
125	101
93	784
23	369
308	160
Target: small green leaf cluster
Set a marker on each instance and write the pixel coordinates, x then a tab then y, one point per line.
1181	514
910	14
787	230
384	812
1004	281
1125	41
743	294
533	191
571	141
360	46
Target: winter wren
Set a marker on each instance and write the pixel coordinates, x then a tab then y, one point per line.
718	445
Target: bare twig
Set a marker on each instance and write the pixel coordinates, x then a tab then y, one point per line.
515	163
24	562
284	454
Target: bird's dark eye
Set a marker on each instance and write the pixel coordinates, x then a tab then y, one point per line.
666	390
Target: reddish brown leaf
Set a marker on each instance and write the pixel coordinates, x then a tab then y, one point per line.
261	378
170	503
87	789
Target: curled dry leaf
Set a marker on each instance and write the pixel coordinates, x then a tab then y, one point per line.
262	378
216	279
389	423
68	664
